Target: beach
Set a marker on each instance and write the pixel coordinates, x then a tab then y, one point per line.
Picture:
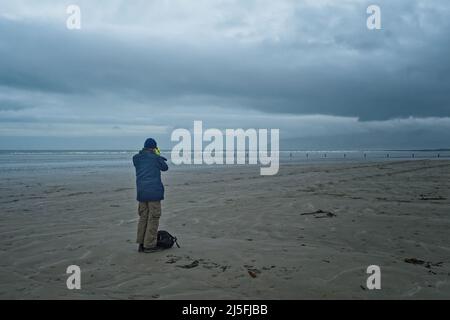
311	231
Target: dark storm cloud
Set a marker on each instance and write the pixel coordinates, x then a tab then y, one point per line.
324	62
12	105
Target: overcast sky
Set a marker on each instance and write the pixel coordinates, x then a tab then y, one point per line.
142	68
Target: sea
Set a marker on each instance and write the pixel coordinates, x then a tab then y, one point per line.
35	160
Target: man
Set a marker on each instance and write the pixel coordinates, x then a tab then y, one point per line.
150	192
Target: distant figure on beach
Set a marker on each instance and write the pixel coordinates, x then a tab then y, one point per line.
150	192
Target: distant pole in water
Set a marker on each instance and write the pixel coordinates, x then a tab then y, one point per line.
387	155
413	155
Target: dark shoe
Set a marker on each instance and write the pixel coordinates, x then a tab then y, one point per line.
141	248
152	249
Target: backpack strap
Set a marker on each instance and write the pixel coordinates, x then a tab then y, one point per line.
175	240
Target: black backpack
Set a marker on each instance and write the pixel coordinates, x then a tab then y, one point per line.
166	240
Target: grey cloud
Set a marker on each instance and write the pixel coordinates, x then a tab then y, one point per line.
13	105
367	74
289	58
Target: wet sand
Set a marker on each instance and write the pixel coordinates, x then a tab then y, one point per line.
242	235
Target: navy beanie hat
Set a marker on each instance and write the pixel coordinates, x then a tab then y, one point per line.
150	143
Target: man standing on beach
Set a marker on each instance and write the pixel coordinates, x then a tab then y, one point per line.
150	192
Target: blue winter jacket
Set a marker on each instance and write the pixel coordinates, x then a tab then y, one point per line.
148	175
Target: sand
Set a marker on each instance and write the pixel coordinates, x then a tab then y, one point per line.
242	235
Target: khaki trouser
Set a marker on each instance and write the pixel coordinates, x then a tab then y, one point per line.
149	214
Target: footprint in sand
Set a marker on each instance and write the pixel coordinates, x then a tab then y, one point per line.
191	265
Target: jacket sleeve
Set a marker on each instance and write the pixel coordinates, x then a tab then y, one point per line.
162	164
